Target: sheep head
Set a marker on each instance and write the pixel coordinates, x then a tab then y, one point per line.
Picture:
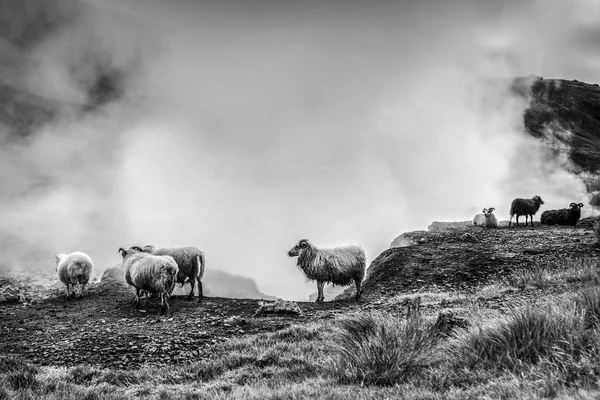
295	251
57	259
576	206
538	199
148	248
488	211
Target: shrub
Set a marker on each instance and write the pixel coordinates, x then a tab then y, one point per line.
526	337
379	349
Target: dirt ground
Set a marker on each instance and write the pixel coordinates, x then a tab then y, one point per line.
103	329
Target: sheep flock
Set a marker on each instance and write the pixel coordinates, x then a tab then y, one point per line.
154	272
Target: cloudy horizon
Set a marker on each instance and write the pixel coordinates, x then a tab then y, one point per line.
242	127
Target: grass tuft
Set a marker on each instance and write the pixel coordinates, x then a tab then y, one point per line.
377	349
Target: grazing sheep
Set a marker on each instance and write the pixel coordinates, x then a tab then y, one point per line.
526	207
191	263
563	216
480	218
74	269
340	265
150	273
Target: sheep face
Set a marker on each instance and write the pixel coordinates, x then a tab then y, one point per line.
57	259
295	251
488	211
538	200
576	207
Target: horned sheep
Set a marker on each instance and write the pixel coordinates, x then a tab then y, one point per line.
479	219
526	207
150	273
486	218
563	216
74	269
339	266
191	263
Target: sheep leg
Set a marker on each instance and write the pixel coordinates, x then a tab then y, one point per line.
82	289
200	294
68	291
517	219
163	301
192	284
358	293
136	301
320	296
531	220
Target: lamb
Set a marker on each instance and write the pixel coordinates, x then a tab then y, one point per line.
563	216
74	269
339	266
191	263
150	273
526	207
486	218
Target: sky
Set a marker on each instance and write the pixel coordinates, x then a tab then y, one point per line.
245	126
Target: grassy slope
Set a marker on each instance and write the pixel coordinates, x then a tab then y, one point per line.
376	351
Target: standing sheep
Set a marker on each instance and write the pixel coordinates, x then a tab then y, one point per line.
191	263
74	269
526	207
339	266
563	216
150	273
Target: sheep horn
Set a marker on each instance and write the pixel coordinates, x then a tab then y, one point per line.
580	205
573	204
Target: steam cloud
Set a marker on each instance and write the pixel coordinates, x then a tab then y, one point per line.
241	127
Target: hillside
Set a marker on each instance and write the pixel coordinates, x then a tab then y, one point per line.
565	114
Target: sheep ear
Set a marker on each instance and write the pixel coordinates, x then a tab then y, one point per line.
491	209
580	204
122	251
57	257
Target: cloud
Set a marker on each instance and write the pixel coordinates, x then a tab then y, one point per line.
243	127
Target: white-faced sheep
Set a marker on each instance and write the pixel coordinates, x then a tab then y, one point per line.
150	273
479	219
339	266
191	263
563	216
74	269
490	219
526	207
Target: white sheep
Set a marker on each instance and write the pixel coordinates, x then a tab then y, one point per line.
191	263
339	266
74	269
479	219
150	273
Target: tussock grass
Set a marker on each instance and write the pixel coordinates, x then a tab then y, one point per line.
539	343
543	274
379	349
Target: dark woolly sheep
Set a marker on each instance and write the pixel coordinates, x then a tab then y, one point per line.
526	207
563	216
339	266
150	273
74	269
191	263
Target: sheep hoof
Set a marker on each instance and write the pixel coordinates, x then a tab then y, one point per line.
199	299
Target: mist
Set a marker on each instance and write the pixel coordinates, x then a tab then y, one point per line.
242	127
